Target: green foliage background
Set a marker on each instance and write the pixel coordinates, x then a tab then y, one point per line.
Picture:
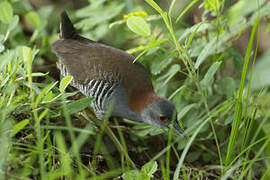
47	130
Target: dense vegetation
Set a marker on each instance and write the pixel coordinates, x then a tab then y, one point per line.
201	55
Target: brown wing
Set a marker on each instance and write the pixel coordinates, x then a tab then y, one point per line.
87	61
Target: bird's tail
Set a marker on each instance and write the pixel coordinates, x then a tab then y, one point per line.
67	30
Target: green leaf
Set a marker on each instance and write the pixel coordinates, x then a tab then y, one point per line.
185	110
33	75
44	92
211	5
160	63
6	12
5	58
94	6
63	153
132	175
19	126
79	105
243	7
48	97
261	73
14	23
25	53
141	130
39	74
64	83
43	114
190	141
138	26
177	92
33	18
150	46
193	156
227	86
238	107
66	95
150	168
174	69
207	157
95	15
209	76
155	6
209	49
186	9
182	144
197	28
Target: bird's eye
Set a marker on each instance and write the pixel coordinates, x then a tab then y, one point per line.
162	117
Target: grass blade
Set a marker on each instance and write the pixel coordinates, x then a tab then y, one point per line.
238	107
186	9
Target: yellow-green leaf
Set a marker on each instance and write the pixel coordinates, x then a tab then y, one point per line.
211	5
14	22
44	93
25	53
6	12
33	18
19	126
138	26
155	6
79	105
64	83
209	76
150	168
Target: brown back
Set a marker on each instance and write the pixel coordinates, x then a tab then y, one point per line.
87	61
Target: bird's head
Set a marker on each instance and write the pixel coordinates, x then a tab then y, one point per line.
161	113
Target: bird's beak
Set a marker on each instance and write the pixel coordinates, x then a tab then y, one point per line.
178	128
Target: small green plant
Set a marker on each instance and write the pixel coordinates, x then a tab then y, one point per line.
147	171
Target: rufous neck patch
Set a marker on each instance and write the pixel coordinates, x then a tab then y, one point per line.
139	100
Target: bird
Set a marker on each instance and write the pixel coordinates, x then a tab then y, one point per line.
110	76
